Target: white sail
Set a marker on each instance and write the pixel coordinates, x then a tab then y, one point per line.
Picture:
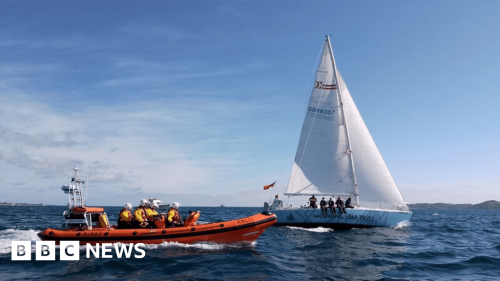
323	164
375	182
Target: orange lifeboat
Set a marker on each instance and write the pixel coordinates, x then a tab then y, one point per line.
91	225
240	230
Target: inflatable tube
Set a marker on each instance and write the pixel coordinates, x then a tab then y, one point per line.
191	220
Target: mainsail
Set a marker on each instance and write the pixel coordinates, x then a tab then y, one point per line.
336	154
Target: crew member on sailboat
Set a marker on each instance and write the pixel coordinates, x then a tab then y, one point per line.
312	202
348	203
340	205
324	208
331	205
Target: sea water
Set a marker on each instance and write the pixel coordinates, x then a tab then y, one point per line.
434	245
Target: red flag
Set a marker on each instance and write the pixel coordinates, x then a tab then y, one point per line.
269	186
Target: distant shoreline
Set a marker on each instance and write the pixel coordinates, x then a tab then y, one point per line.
19	204
487	205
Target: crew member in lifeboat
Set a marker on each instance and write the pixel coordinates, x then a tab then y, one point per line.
141	218
155	220
174	219
126	219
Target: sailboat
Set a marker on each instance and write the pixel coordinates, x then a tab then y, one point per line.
337	157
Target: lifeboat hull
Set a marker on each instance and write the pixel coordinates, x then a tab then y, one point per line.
240	230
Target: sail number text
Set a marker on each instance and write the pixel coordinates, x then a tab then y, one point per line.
325	114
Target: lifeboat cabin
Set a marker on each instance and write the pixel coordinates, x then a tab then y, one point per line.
85	218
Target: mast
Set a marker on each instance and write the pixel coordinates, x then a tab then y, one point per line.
349	151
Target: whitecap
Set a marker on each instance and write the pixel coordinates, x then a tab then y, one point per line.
317	229
9	235
210	246
403	224
435	214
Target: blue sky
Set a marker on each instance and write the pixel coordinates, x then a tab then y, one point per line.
201	102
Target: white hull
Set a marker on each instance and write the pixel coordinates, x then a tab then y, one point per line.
355	218
164	207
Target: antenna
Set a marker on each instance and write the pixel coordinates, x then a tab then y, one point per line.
86	190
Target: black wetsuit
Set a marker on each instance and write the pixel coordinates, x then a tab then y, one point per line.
331	205
340	205
324	208
312	202
348	203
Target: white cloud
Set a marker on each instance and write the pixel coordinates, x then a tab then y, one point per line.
46	167
49	139
144	148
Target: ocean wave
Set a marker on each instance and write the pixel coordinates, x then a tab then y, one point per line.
432	254
403	224
487	266
9	235
484	261
491	231
316	229
455	228
210	246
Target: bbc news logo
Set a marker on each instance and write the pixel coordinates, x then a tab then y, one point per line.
70	250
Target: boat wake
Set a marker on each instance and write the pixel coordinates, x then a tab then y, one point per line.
9	235
403	224
317	229
207	246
